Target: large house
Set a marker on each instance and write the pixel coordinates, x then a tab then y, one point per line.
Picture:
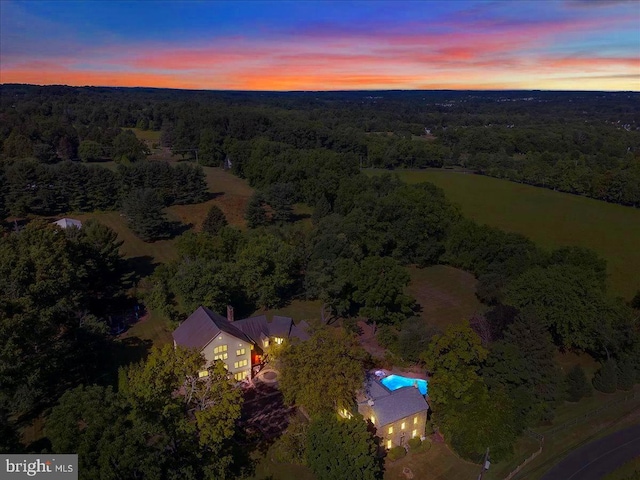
398	415
240	344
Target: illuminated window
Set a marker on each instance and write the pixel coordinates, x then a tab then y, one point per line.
390	430
278	340
241	375
241	363
266	342
389	444
402	426
373	419
240	351
414	434
203	373
220	352
415	420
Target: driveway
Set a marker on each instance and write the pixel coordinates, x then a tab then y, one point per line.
598	458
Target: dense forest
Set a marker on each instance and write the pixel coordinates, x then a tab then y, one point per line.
584	143
491	376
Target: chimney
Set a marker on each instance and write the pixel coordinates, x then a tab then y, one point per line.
229	313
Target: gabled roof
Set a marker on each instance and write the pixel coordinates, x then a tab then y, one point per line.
68	222
280	326
255	327
300	331
400	403
202	326
374	389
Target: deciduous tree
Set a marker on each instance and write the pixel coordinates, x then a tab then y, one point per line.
338	449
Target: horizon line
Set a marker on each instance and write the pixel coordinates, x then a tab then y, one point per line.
317	91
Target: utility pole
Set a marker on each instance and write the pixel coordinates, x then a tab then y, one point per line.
485	464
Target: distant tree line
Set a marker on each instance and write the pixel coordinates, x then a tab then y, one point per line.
583	143
31	187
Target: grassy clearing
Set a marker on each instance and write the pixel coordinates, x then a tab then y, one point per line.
133	247
446	294
308	310
625	471
437	463
230	193
549	218
153	327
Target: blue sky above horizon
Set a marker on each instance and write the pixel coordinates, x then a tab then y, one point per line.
323	45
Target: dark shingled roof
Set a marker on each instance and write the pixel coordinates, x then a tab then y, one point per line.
300	331
374	389
401	403
280	326
254	327
202	326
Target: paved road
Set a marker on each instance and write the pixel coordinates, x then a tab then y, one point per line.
594	460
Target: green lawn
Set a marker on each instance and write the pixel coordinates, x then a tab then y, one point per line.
446	294
549	218
308	310
437	463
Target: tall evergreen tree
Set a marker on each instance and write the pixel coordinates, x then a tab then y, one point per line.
143	210
255	214
214	221
577	385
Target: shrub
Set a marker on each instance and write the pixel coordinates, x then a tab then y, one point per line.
396	453
414	443
606	379
577	385
428	428
626	374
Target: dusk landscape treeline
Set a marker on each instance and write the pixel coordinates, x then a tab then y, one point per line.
318	229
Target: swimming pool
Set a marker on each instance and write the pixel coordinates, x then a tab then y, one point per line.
394	382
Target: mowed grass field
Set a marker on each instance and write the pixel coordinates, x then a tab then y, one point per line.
551	219
446	294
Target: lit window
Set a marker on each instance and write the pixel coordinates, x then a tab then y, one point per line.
203	373
389	444
266	342
220	352
241	375
402	426
373	419
278	340
390	430
240	351
414	434
415	420
241	363
344	413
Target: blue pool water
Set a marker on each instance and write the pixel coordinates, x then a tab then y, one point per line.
394	382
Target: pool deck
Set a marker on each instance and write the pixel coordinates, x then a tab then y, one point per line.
403	373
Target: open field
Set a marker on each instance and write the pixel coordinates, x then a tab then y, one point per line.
133	248
437	463
446	294
308	310
231	194
549	218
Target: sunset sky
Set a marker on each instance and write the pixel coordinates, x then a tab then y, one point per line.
323	45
